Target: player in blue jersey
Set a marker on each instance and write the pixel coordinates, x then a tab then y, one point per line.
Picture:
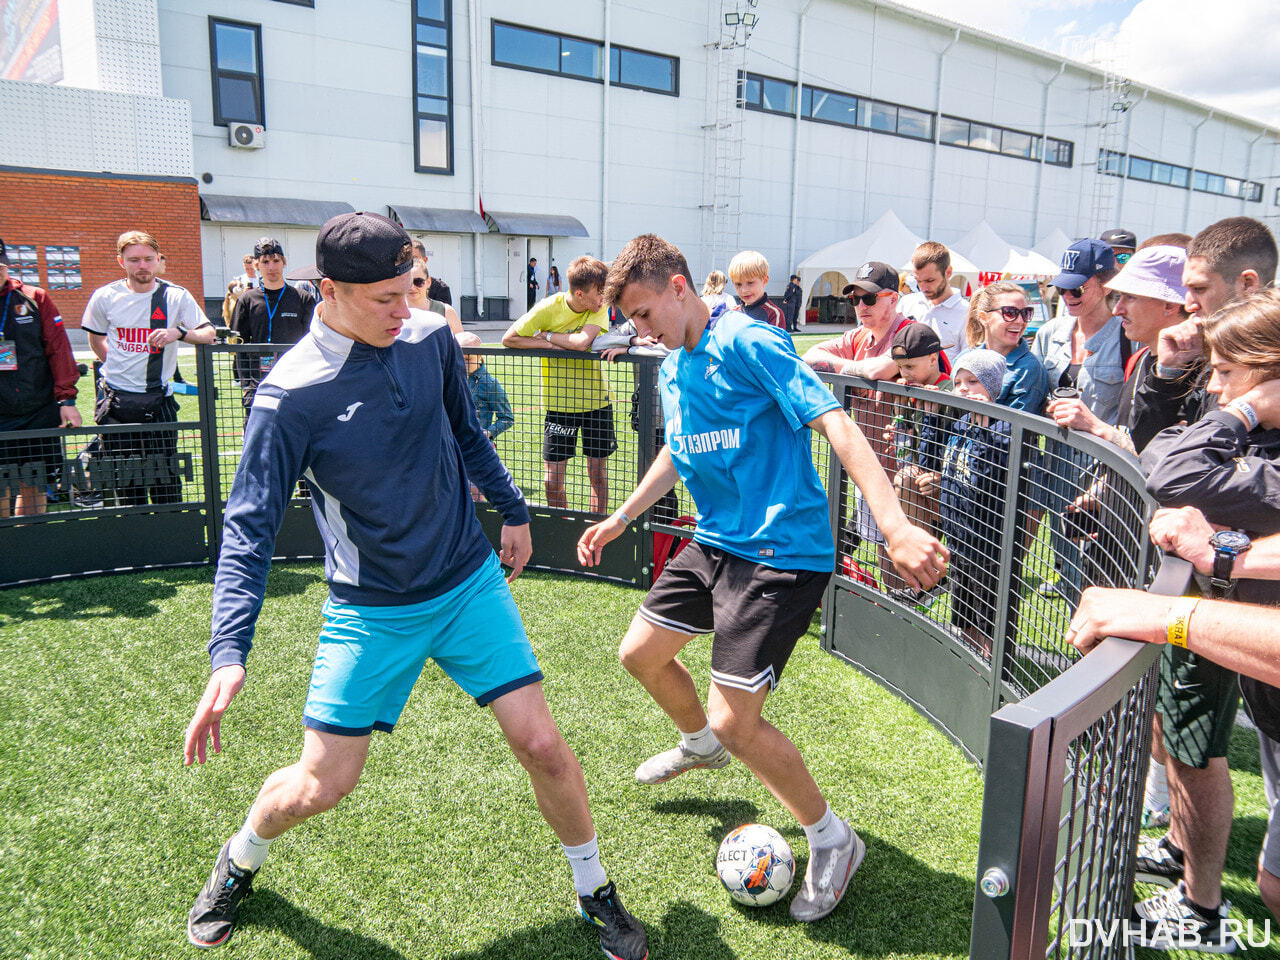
372	406
738	405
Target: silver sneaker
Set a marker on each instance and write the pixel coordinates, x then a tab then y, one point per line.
827	877
669	764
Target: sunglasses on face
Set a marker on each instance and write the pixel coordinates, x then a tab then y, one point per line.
1010	314
1073	292
419	282
1123	258
866	299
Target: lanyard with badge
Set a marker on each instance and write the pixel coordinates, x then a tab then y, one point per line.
268	360
8	348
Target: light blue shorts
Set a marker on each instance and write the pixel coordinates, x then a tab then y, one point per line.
369	658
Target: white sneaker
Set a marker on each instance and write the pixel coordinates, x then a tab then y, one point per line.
669	764
1169	922
827	877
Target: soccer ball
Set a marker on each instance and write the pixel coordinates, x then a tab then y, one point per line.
755	865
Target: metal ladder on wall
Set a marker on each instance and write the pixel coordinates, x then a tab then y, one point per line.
1115	103
725	131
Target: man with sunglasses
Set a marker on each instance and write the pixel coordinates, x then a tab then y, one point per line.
865	351
1122	242
274	312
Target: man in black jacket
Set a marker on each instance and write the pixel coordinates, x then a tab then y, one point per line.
37	391
791	303
274	312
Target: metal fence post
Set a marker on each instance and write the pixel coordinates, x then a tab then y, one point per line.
208	406
647	420
1015	493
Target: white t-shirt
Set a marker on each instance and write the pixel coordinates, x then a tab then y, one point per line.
124	318
946	319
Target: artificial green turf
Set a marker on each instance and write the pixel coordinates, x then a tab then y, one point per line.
105	838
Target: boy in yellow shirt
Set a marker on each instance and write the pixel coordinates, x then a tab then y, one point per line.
573	391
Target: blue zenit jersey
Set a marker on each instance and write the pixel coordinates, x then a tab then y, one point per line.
736	408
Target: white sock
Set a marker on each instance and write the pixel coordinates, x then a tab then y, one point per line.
703	742
830	831
1157	786
248	850
584	861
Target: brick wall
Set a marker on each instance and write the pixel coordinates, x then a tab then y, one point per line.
90	212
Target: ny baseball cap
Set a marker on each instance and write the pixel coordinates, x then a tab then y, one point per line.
873	277
359	248
914	340
1119	238
266	247
1081	261
1155	272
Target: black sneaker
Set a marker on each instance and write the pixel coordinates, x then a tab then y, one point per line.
213	916
1158	861
622	936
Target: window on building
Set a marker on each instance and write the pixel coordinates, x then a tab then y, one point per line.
235	55
1059	152
1253	192
300	3
642	70
766	94
915	123
432	86
545	52
827	106
953	132
1110	162
1015	144
525	48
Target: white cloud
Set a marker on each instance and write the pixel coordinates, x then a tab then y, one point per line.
1215	51
1217	57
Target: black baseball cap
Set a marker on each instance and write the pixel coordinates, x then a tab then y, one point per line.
914	340
359	248
4	256
873	277
1120	238
266	247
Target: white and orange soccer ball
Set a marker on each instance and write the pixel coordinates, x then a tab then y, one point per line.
755	865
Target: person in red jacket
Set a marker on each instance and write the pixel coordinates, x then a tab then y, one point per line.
38	376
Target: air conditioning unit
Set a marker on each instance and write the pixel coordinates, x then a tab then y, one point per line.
246	136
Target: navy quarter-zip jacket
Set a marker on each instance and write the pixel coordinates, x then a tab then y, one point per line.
386	438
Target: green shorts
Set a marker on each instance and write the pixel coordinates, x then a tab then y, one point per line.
1198	700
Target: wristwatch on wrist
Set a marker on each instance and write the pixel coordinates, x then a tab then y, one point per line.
1227	545
182	334
546	335
69	402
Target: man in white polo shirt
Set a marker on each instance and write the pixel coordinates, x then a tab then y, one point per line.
937	305
133	326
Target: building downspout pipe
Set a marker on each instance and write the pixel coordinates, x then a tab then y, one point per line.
604	134
937	134
795	139
1044	151
1191	184
477	240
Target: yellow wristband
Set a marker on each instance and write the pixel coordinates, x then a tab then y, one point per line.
1179	624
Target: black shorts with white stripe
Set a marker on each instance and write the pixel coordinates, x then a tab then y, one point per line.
756	613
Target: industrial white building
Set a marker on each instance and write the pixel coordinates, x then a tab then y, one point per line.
575	125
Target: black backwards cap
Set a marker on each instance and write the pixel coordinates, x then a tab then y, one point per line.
359	248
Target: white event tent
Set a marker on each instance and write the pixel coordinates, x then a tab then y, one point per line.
887	240
1054	245
993	254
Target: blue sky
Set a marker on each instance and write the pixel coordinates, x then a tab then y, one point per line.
1217	51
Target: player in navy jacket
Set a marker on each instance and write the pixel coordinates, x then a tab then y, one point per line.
373	408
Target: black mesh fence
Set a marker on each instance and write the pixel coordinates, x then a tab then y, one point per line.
1029	515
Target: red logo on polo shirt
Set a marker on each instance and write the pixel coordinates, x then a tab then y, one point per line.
159	314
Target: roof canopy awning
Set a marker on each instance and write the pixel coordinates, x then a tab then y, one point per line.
535	224
437	220
286	210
